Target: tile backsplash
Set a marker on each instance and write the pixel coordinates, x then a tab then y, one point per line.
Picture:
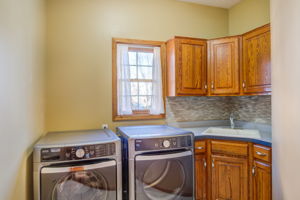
245	108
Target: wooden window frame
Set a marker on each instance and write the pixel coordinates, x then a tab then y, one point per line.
137	115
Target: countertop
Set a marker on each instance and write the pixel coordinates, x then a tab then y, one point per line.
199	128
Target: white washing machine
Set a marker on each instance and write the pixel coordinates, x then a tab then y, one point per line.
78	165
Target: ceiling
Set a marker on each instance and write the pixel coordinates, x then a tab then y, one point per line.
215	3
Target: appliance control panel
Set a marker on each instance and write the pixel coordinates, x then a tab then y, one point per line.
163	143
77	152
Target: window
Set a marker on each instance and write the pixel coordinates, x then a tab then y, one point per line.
138	79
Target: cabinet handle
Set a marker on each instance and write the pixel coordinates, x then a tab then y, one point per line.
212	85
205	86
199	148
244	84
213	163
204	163
253	170
260	153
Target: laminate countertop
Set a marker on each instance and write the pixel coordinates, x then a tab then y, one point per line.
198	129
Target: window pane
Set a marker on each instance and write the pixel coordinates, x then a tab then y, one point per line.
134	88
149	102
145	73
145	59
134	102
133	72
145	88
143	103
132	58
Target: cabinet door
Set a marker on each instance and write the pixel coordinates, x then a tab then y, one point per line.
229	178
201	177
223	70
257	61
191	66
262	181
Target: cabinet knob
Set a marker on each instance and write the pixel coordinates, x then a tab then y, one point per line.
213	163
204	163
199	148
212	85
244	84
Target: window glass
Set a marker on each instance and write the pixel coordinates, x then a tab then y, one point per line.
133	72
141	69
135	102
134	88
145	58
144	104
145	88
145	72
132	58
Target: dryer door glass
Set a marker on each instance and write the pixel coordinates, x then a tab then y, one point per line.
164	176
96	181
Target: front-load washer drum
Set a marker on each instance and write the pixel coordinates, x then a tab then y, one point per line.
95	180
156	179
164	176
81	185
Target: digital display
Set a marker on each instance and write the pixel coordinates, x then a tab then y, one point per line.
55	150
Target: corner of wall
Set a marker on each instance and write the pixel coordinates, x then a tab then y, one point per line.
247	15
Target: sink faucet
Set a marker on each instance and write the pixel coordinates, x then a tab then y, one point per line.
232	125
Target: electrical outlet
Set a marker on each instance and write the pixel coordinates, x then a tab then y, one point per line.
104	126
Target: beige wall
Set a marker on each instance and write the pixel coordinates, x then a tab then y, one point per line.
247	15
286	98
79	36
21	93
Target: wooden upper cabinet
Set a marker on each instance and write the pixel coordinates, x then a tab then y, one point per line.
229	178
257	61
262	181
237	65
223	67
186	67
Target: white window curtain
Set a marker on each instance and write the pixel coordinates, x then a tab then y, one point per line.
124	85
123	80
157	106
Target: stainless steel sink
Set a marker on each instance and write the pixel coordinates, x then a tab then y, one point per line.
246	133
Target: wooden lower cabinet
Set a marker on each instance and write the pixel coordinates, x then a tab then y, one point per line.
231	170
229	178
262	181
201	177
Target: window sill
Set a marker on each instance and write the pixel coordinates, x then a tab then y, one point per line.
137	117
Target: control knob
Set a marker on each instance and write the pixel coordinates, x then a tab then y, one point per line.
166	143
80	153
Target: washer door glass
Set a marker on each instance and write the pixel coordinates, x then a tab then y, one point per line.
80	185
91	181
168	176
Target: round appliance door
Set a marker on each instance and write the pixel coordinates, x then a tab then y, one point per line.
92	181
164	176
